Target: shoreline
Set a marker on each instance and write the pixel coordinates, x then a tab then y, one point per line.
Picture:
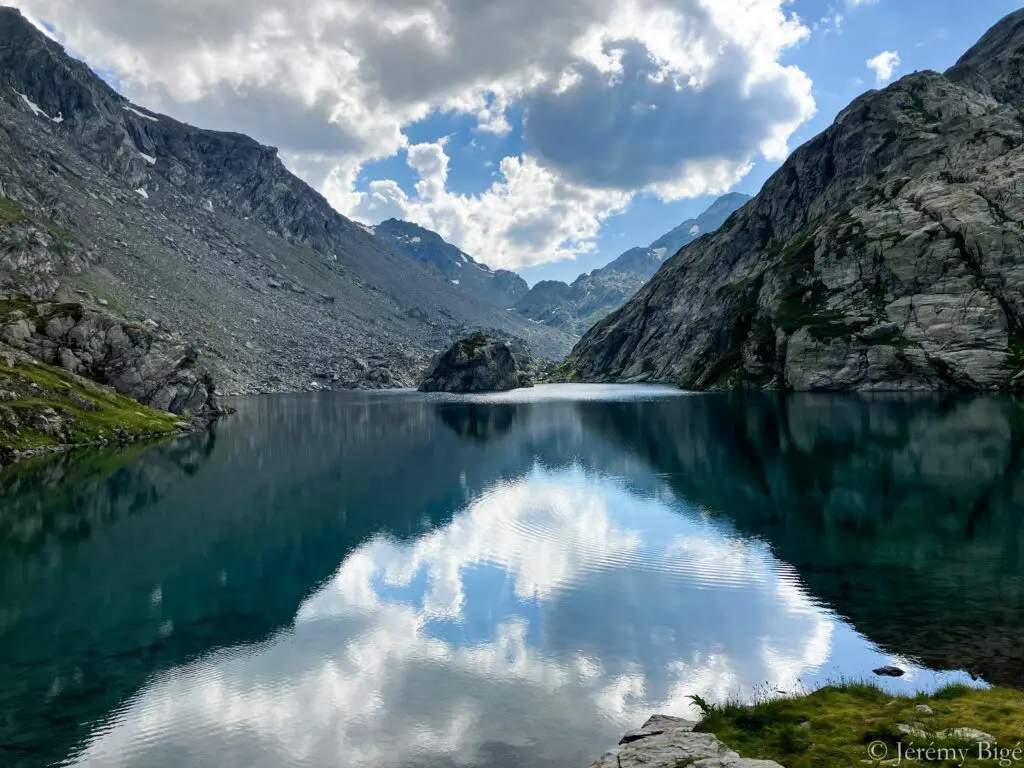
10	456
671	742
846	723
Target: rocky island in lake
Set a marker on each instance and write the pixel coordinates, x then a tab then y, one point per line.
479	364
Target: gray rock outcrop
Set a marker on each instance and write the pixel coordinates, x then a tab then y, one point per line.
669	742
149	365
478	364
886	253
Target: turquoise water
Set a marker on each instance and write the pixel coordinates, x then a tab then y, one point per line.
404	580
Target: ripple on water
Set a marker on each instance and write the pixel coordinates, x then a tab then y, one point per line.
570	393
680	546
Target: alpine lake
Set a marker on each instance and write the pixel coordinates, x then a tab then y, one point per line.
397	580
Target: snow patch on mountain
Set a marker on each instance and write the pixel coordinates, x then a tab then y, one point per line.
143	115
31	105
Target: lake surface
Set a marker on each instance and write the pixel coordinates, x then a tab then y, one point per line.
397	580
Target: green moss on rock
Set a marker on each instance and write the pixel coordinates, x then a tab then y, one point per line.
42	406
474	342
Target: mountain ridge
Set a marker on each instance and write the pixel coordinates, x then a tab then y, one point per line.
886	253
577	306
208	233
500	287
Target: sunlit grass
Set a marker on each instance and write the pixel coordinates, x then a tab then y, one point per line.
96	413
835	725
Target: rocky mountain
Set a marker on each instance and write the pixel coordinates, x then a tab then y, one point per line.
886	253
207	235
499	287
691	229
575	308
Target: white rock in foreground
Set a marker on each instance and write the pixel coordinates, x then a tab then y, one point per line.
665	742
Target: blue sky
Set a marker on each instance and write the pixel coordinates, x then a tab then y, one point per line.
927	34
545	136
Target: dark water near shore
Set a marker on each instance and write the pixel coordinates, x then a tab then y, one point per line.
393	580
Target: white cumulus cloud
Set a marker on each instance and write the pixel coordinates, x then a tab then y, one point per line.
529	215
671	97
884	65
364	677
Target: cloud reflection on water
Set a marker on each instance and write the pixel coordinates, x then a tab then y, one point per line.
549	597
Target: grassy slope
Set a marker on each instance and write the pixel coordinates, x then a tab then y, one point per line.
835	726
93	412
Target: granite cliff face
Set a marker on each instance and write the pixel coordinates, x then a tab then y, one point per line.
499	287
209	235
141	360
886	253
575	308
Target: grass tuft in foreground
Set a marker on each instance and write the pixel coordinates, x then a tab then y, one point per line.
857	723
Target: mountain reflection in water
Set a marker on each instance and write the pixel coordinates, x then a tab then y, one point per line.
401	580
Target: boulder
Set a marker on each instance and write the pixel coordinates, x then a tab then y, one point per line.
889	671
145	363
670	742
476	364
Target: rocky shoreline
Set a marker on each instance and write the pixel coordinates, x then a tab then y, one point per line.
50	409
671	742
10	456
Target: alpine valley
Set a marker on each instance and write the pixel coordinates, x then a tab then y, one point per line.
575	308
174	263
572	308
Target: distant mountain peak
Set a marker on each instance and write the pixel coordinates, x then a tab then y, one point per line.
591	296
501	287
710	220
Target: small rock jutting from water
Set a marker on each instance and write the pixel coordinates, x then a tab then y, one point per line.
478	364
889	671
